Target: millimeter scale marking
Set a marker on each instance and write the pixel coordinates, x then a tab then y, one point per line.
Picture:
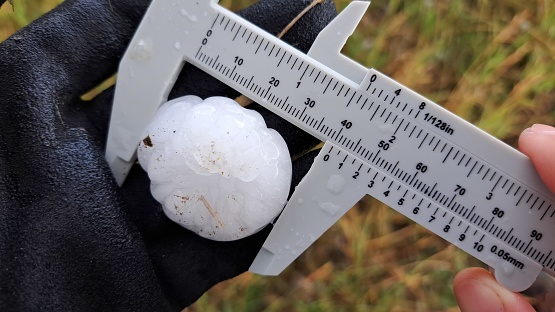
382	138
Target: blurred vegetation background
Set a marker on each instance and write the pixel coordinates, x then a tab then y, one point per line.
490	62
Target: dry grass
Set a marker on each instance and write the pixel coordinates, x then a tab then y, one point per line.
490	62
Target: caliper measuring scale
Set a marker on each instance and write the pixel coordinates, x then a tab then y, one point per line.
382	138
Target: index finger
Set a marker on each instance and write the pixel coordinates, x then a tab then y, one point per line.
538	143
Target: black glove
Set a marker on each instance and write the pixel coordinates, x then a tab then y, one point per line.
70	239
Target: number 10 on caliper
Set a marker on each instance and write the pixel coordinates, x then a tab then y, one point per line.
382	139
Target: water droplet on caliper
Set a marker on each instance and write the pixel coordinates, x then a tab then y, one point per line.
329	208
336	184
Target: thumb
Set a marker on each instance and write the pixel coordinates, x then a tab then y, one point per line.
477	291
538	143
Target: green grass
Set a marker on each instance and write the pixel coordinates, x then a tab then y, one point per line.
490	62
22	13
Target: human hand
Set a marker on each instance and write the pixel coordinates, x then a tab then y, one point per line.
476	289
70	239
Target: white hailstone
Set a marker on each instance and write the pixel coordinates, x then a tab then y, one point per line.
215	167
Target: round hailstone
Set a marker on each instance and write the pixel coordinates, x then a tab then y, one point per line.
215	167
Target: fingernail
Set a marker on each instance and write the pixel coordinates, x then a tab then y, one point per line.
540	129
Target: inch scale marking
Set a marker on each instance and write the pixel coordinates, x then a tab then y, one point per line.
382	138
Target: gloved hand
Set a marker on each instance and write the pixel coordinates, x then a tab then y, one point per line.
70	238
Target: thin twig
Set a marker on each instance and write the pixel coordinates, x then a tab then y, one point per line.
296	19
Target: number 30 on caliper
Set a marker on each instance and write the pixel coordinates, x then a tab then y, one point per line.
381	138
